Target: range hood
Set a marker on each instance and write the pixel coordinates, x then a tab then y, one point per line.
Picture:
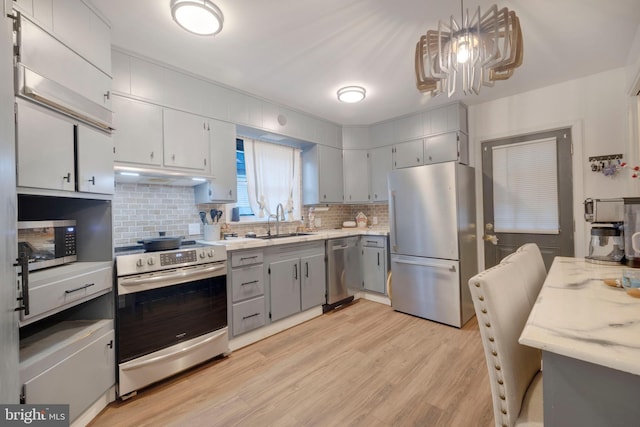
143	175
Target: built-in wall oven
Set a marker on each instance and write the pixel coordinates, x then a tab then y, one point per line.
171	312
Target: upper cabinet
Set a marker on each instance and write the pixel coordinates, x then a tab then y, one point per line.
186	140
222	186
381	163
51	148
356	176
138	132
408	154
322	175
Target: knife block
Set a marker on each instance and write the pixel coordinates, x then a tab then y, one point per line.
211	232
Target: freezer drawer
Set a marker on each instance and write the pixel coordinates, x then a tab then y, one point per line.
427	288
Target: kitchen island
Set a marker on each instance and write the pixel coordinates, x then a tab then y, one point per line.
589	334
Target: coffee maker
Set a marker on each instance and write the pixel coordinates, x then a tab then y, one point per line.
607	243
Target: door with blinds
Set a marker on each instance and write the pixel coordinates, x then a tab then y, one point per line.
527	195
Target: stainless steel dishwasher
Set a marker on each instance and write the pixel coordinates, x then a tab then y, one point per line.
343	270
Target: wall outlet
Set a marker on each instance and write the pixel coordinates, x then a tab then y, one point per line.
318	222
194	228
374	220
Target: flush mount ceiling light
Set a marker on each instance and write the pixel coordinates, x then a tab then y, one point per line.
479	51
199	17
351	94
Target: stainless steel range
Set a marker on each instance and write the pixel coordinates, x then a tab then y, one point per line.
171	312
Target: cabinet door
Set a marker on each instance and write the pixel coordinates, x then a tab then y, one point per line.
374	269
95	161
284	284
56	385
356	176
441	148
408	154
45	152
223	161
138	134
186	140
381	161
330	174
313	283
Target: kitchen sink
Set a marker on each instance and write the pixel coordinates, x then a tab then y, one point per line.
280	236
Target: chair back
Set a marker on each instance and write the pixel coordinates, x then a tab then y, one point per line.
503	297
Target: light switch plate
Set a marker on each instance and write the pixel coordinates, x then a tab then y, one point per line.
374	220
318	222
194	228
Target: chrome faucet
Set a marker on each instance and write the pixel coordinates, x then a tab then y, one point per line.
279	217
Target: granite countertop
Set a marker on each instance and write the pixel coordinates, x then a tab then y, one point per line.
250	243
577	315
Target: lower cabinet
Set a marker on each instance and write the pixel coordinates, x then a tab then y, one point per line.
296	277
247	302
52	359
374	263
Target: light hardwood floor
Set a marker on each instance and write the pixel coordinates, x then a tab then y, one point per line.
363	365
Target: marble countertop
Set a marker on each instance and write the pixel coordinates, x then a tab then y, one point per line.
577	315
250	243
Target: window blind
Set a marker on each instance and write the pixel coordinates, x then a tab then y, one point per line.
525	187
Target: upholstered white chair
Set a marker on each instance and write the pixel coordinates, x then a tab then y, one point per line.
503	297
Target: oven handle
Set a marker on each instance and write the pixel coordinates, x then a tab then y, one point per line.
168	277
175	354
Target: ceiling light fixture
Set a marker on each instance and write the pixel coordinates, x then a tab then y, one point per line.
200	17
479	51
351	94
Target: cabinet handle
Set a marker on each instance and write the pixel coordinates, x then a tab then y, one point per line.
70	291
110	344
248	257
23	262
93	180
306	264
151	155
107	95
173	157
378	259
295	271
67	178
250	316
418	159
230	193
249	283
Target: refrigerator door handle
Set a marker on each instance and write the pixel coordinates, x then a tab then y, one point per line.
394	234
451	268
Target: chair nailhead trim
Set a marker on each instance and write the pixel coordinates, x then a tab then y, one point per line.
495	353
481	298
504	411
500	382
498	367
484	311
491	339
502	397
488	325
477	284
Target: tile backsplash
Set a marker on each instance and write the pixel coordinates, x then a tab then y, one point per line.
143	210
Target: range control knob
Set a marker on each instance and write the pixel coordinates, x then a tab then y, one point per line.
150	261
210	253
202	255
140	262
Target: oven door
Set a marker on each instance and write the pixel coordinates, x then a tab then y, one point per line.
159	310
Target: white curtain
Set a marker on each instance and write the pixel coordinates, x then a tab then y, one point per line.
273	173
525	187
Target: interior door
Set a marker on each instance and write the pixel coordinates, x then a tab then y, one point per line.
527	195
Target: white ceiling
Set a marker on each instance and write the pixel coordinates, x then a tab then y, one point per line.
298	53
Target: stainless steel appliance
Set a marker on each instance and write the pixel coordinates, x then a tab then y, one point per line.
343	271
171	312
606	245
433	241
632	231
47	243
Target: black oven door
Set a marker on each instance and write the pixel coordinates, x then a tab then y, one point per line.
153	319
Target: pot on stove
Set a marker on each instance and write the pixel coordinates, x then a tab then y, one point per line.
161	243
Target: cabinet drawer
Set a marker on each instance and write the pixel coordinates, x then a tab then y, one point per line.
247	282
246	258
51	295
56	385
374	241
248	315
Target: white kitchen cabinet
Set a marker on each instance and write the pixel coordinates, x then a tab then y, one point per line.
222	141
95	161
445	147
40	10
70	363
296	278
313	281
408	154
138	132
356	138
382	134
322	180
356	176
45	149
246	299
186	140
407	128
374	263
381	161
51	148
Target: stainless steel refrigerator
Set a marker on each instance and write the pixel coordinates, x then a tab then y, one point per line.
432	217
